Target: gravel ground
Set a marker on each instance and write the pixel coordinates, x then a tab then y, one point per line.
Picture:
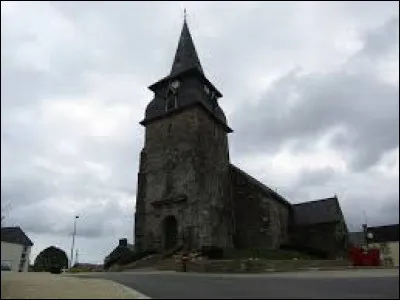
48	286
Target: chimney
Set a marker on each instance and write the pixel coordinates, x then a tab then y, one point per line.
123	243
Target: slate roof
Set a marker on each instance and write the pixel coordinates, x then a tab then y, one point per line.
186	56
186	64
316	212
119	250
131	247
15	235
383	234
260	185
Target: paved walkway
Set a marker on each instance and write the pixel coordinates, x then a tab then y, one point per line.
48	286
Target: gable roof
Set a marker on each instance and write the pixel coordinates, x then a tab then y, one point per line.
317	211
382	234
15	235
260	185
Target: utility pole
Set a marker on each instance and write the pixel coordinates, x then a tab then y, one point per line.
76	257
365	228
73	243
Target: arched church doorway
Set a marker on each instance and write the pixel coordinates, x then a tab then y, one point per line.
170	225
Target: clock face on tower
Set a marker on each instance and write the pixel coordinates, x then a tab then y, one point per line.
175	84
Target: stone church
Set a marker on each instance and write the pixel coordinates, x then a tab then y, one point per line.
190	194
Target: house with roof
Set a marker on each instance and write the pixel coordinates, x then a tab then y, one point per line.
385	238
15	249
123	248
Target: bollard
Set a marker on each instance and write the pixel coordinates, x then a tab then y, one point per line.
184	262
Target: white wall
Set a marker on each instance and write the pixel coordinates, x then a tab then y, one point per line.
11	253
392	251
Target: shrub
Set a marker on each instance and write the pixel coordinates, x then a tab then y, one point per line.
51	260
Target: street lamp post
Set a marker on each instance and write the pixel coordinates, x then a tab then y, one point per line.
370	236
73	242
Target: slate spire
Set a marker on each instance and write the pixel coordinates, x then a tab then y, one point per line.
186	55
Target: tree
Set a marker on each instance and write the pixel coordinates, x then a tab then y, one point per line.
51	259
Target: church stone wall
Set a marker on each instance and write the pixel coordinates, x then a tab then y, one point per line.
184	173
261	220
328	239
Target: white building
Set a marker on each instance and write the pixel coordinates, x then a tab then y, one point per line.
384	238
15	249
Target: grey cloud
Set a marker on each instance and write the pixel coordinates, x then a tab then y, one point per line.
100	215
383	39
29	187
364	105
375	210
314	177
389	211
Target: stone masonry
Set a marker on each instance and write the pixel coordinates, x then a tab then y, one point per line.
188	191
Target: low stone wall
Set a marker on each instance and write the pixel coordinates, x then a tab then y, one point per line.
250	266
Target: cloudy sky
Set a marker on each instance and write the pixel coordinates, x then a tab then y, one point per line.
311	90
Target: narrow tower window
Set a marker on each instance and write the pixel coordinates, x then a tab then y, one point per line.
169	132
171	100
171	103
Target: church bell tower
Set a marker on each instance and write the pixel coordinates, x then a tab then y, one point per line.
184	194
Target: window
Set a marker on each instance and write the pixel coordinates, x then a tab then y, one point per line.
171	103
215	130
384	249
169	183
171	100
169	132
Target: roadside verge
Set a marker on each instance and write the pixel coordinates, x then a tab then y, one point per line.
48	286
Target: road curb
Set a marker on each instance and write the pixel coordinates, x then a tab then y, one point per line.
135	294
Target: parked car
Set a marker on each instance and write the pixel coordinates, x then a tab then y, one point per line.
5	267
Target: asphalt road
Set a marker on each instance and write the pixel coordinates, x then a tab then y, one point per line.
304	285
